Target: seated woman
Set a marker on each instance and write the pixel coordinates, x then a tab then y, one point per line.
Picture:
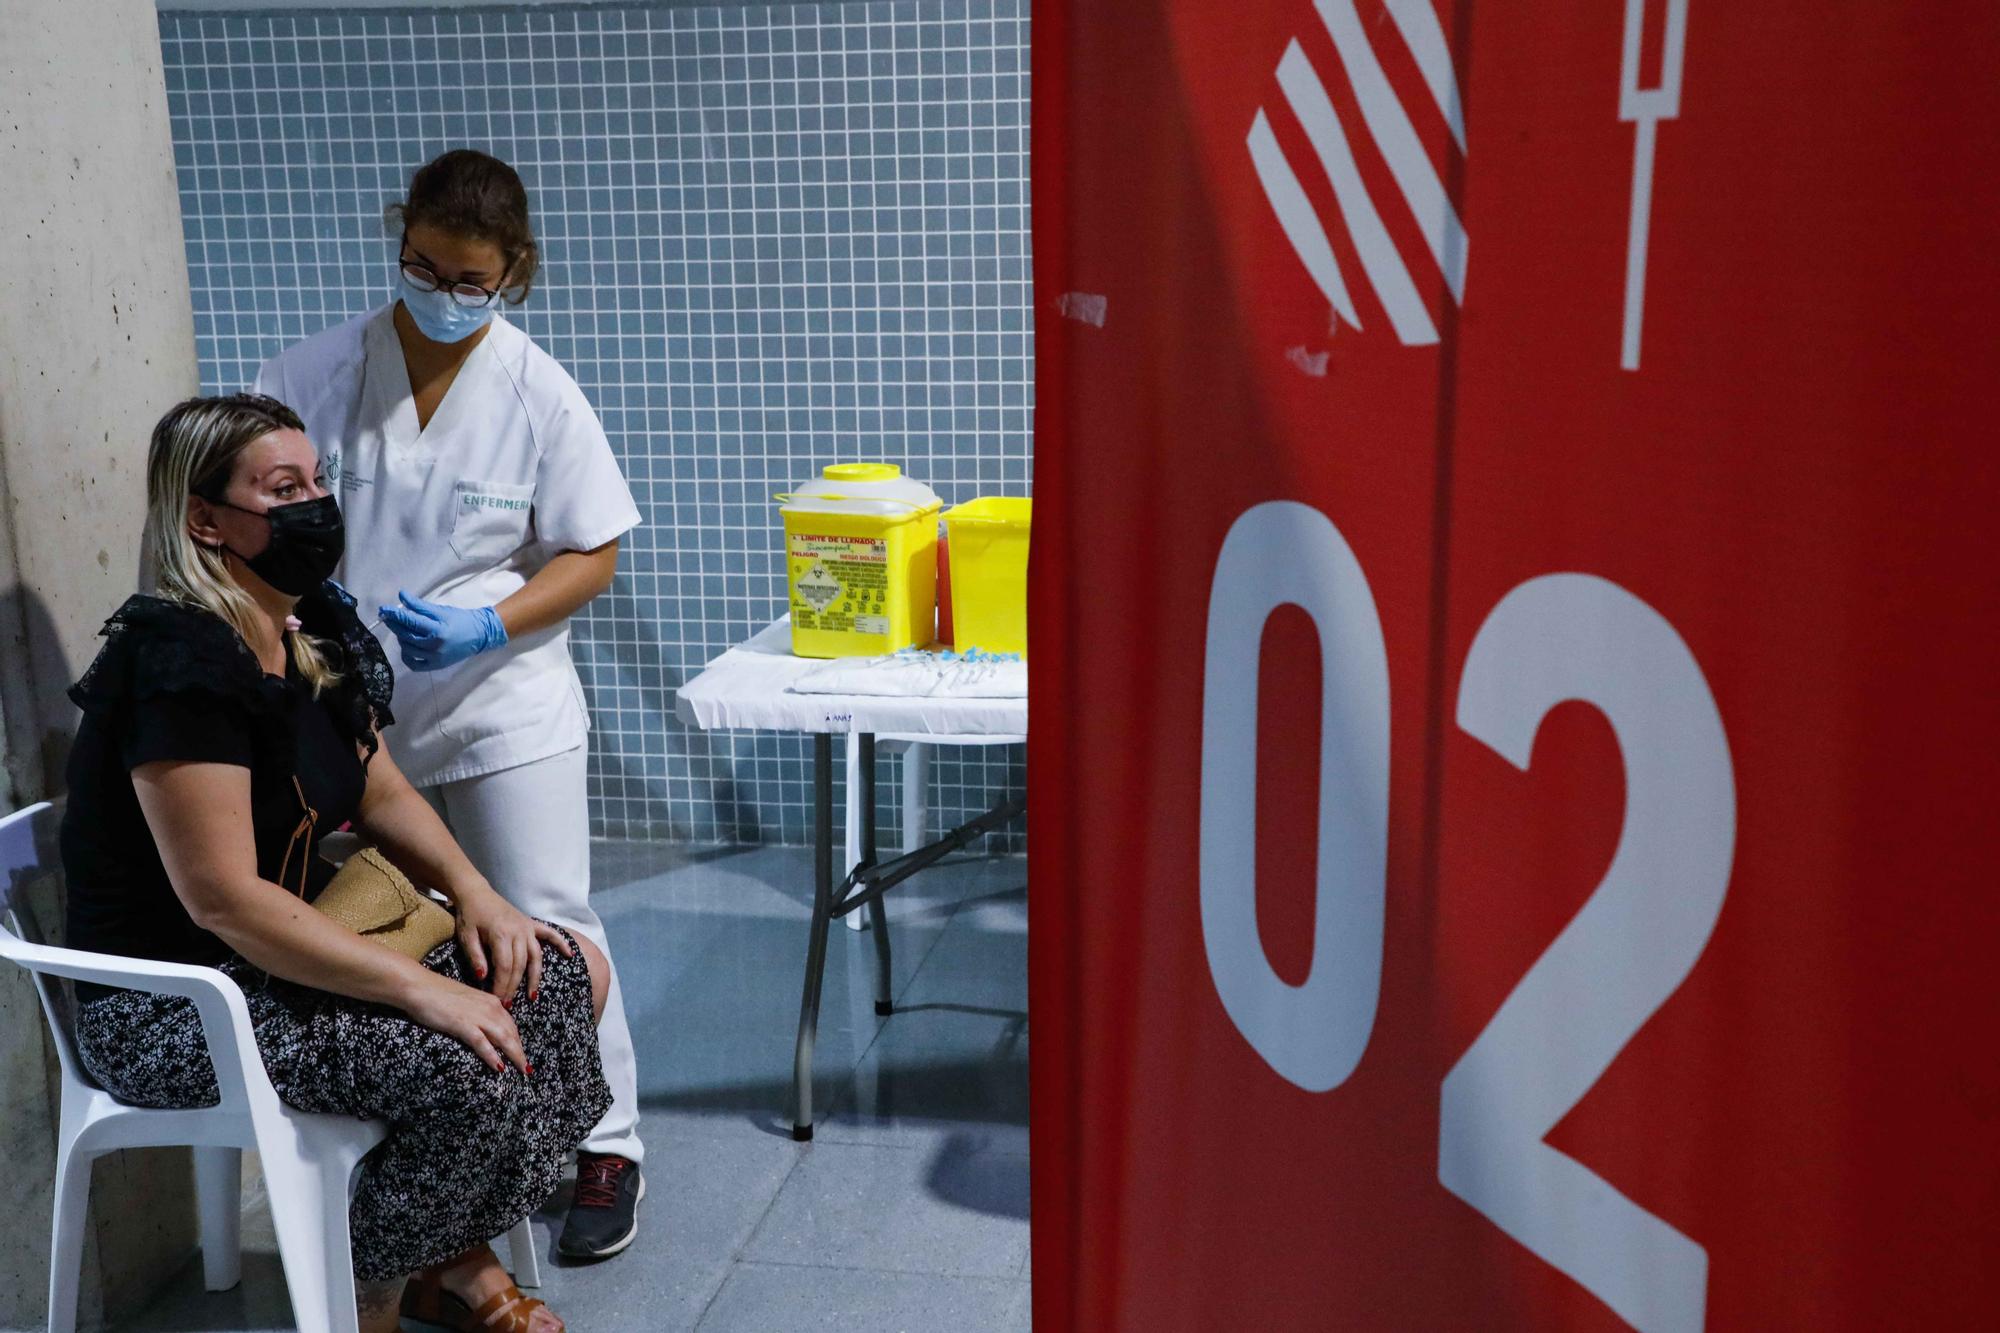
228	723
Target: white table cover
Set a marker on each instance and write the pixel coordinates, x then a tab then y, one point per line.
748	688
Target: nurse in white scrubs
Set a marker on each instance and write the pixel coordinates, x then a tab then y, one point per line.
483	508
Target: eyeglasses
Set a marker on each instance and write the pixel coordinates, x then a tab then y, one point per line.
425	279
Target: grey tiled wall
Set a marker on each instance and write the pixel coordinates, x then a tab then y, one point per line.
774	236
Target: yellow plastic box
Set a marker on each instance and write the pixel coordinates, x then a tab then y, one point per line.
861	561
989	574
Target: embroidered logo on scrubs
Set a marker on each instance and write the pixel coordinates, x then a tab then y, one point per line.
818	586
339	479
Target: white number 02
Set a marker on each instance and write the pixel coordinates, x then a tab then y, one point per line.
1553	639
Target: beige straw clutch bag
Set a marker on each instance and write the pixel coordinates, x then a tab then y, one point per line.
375	900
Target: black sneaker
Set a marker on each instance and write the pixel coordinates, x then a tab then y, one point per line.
604	1217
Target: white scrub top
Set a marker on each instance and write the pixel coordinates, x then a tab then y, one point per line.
513	468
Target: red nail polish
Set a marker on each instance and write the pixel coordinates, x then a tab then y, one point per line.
531	1071
533	996
506	1004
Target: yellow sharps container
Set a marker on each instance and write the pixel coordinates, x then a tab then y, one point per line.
861	559
989	573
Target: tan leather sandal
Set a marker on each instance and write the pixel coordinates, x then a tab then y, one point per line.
426	1298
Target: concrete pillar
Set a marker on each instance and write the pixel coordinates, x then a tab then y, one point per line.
96	340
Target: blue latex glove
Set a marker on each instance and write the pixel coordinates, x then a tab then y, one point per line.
434	637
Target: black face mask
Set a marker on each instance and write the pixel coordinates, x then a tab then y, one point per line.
307	540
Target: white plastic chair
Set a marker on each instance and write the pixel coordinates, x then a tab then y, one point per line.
308	1160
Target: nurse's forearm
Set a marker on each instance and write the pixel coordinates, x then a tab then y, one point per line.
564	586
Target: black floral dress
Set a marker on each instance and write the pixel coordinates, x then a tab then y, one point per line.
470	1152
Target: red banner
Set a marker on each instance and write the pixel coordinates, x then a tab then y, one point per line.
1515	666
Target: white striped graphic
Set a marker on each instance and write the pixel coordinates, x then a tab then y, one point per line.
1296	216
1424	35
1397	138
1389	126
1371	239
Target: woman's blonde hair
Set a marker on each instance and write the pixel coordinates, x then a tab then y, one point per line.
194	452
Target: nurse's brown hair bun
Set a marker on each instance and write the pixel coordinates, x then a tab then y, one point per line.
470	193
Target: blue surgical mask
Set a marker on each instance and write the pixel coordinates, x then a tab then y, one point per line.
437	316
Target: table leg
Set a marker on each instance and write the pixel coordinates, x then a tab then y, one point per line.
822	918
916	794
878	914
850	826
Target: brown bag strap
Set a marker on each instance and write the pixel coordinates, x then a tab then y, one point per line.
308	826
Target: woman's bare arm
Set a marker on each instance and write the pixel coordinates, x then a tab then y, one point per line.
200	817
396	818
199	814
501	942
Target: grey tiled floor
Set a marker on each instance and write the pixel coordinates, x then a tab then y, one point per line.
909	1211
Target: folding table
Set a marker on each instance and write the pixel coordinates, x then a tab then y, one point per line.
749	688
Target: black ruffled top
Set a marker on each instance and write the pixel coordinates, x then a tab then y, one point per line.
175	682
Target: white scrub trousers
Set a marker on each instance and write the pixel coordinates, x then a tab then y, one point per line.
527	829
